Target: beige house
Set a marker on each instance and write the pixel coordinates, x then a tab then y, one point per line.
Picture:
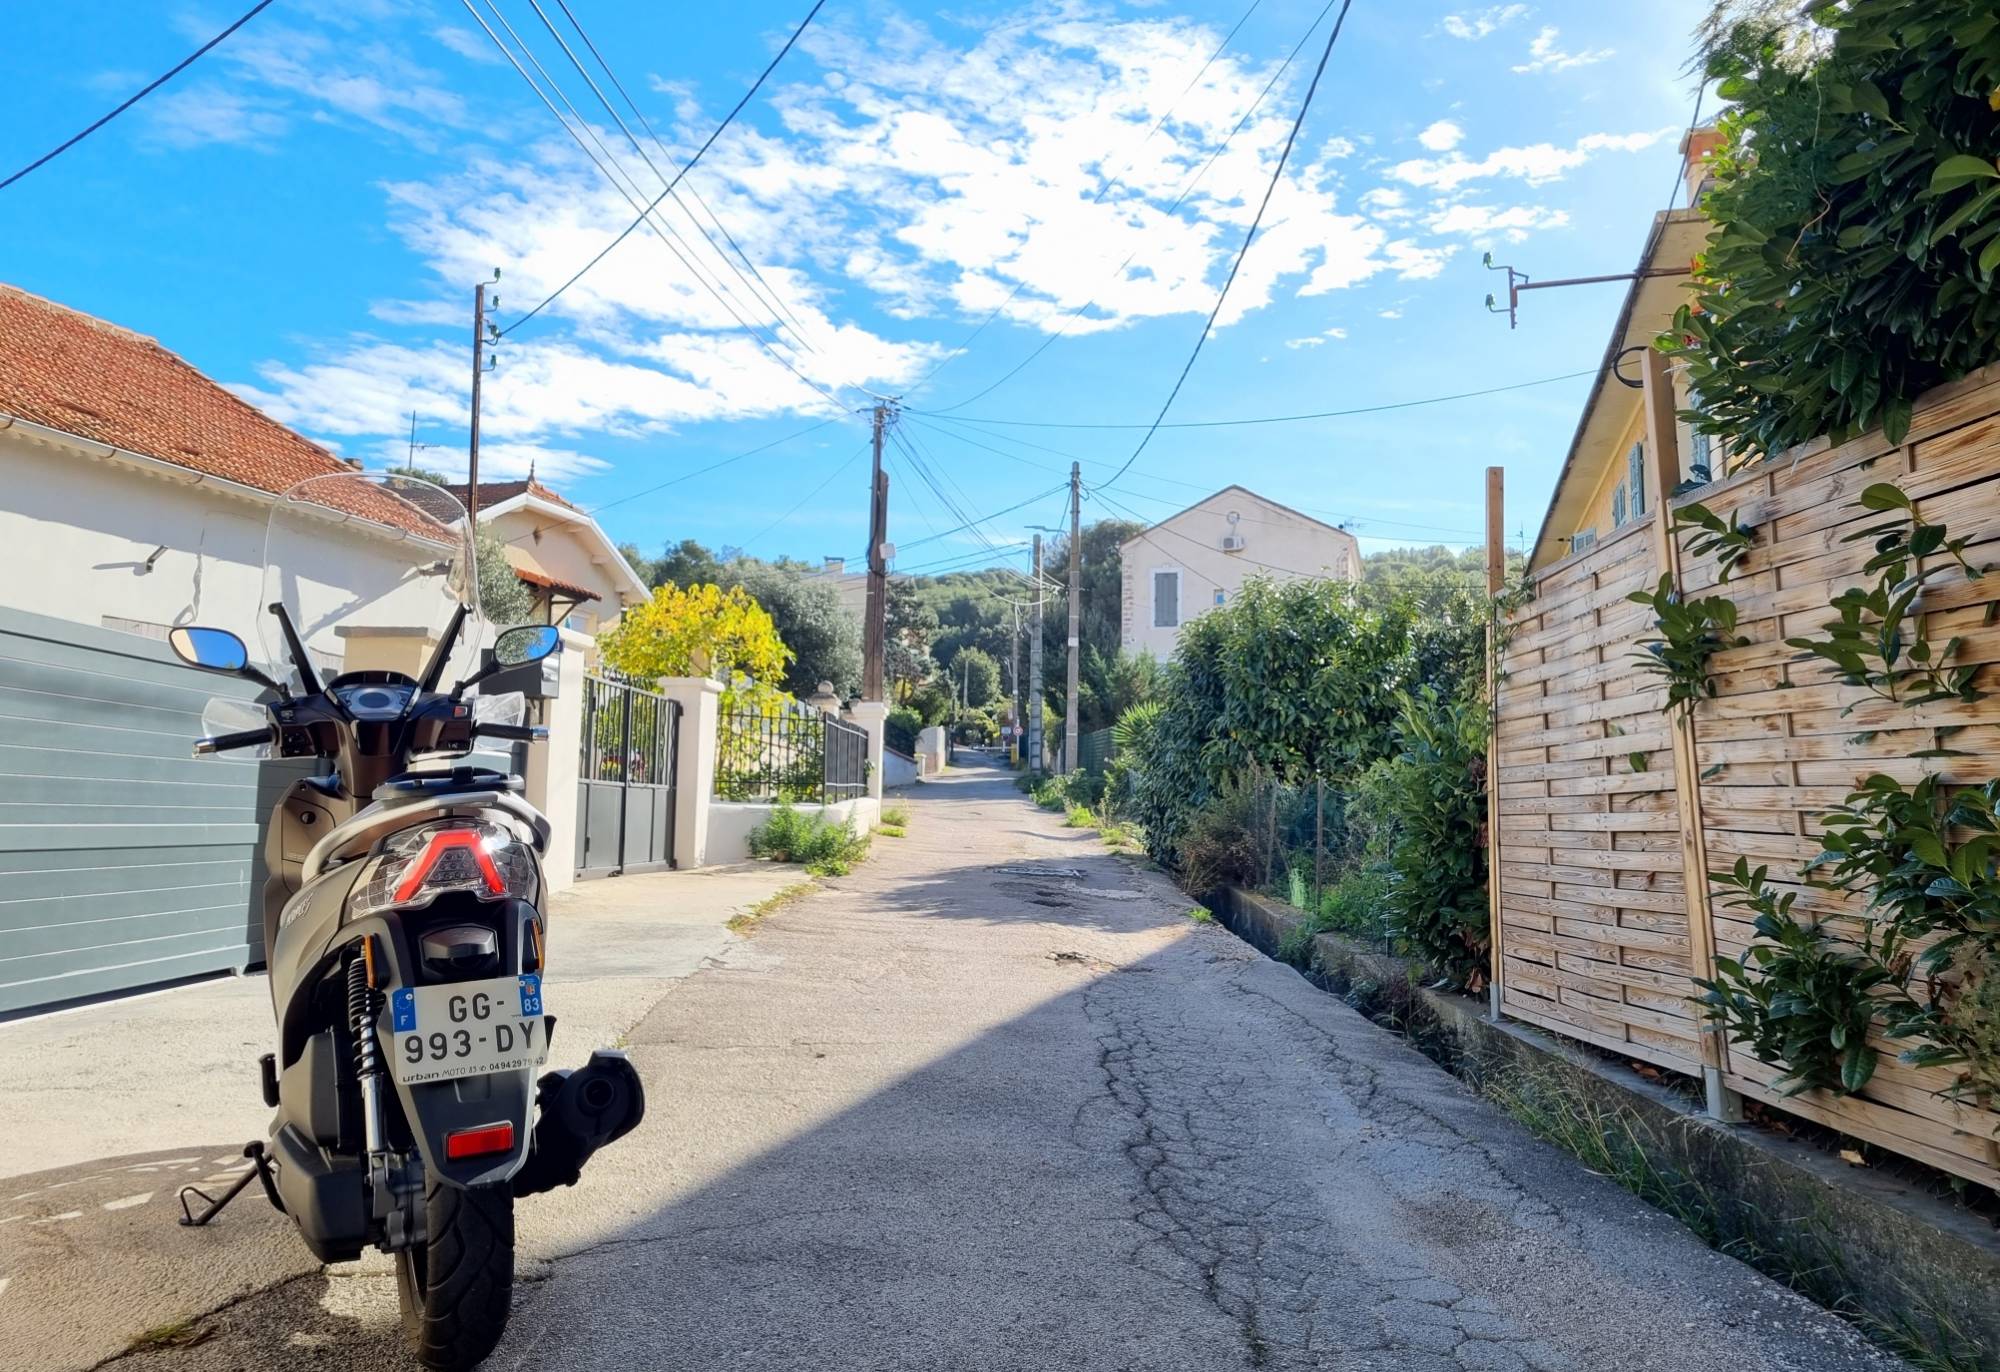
577	575
1198	559
1601	486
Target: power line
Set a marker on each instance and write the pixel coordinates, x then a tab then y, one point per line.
1179	199
1097	199
688	166
1277	173
1255	419
59	149
830	478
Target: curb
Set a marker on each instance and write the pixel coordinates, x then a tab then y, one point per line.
1910	1267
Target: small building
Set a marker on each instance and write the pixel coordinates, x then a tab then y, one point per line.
1191	562
1602	483
575	572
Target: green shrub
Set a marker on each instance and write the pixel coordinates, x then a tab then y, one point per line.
1437	864
820	846
1079	817
896	815
1051	793
1217	846
1085	787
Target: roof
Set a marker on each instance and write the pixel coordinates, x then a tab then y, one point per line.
1672	244
1246	491
82	376
493	493
549	583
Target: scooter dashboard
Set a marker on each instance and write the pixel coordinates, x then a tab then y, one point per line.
374	700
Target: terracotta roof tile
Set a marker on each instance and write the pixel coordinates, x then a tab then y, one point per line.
492	493
72	371
547	582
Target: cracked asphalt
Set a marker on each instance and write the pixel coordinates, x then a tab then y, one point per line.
994	1102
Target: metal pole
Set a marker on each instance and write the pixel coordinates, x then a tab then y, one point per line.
1035	669
478	369
1070	711
1496	579
874	638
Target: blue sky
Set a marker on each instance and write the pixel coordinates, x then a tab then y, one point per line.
304	212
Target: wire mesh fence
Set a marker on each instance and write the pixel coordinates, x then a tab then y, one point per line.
1319	846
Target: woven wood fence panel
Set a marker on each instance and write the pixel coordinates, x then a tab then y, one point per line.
1781	744
1593	909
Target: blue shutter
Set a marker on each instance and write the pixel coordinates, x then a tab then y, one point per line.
1635	468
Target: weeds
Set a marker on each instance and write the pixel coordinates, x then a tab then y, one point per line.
896	816
747	920
1201	915
1079	817
822	847
174	1334
891	830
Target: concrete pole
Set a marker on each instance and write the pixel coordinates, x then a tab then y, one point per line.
1075	652
1035	669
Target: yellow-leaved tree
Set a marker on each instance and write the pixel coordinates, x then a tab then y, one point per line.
701	631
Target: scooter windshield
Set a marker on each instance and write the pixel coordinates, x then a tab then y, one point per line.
371	568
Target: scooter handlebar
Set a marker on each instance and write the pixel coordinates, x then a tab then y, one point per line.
517	733
222	743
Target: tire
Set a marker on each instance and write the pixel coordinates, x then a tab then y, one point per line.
455	1290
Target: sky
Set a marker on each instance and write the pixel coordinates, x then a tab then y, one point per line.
1013	218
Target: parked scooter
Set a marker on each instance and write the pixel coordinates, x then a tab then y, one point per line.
403	919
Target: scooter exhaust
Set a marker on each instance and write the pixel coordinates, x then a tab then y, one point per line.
581	1111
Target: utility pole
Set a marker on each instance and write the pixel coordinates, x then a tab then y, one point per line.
875	634
1075	611
1034	720
483	333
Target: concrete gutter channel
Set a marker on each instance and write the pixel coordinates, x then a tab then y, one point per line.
1868	1246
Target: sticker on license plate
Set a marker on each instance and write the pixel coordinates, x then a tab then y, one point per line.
466	1029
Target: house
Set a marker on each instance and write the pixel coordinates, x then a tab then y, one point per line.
1601	486
577	575
135	492
851	587
1193	561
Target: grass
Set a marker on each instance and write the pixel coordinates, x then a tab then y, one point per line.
891	830
1117	836
895	816
173	1334
1079	817
1201	915
746	921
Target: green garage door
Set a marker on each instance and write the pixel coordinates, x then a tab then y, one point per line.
124	861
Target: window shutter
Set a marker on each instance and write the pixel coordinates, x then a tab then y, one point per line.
1635	471
1166	600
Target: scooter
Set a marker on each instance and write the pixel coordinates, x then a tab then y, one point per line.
406	942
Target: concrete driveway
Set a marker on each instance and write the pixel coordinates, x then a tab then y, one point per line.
993	1102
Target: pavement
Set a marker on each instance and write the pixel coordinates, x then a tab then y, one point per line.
994	1102
114	1107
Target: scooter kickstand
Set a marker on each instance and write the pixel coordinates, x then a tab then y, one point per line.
260	1169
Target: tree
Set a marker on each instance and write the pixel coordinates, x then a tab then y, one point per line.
909	626
976	676
503	600
1102	579
686	564
411	469
824	638
699	631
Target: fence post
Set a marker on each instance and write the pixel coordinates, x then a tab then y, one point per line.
554	766
1662	472
1496	579
700	700
873	716
1319	840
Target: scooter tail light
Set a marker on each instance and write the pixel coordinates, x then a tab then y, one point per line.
421	864
480	1141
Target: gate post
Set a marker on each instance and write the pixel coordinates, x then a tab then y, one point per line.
553	766
700	700
872	715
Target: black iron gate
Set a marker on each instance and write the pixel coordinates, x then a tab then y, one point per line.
625	779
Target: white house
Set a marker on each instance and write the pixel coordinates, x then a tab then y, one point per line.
1189	563
135	491
579	578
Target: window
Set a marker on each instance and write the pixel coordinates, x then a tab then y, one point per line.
1700	467
1584	541
1166	600
1635	469
1618	505
1220	595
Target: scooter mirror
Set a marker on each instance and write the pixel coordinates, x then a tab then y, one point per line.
526	643
216	650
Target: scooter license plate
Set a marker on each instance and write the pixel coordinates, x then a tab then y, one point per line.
466	1029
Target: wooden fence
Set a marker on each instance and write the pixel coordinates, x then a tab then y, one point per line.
1604	915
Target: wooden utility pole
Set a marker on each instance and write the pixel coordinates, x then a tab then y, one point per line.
480	338
875	634
1034	720
1070	710
1496	580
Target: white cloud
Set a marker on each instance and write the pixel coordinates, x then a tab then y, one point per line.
211	114
1535	164
1512	222
1544	55
1442	136
1476	24
1312	341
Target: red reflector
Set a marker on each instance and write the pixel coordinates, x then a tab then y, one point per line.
477	1143
443	842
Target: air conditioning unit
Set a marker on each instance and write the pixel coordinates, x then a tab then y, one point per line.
1232	543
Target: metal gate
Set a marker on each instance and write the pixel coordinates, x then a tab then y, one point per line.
625	779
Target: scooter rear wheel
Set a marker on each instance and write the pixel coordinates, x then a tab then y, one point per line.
456	1289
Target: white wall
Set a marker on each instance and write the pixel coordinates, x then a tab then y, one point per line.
730	823
898	770
75	531
1278	544
562	551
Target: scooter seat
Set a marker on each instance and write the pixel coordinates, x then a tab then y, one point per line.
419	785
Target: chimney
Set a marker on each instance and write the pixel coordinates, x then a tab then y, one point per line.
1697	147
836	565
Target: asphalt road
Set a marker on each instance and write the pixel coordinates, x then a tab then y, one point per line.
994	1102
